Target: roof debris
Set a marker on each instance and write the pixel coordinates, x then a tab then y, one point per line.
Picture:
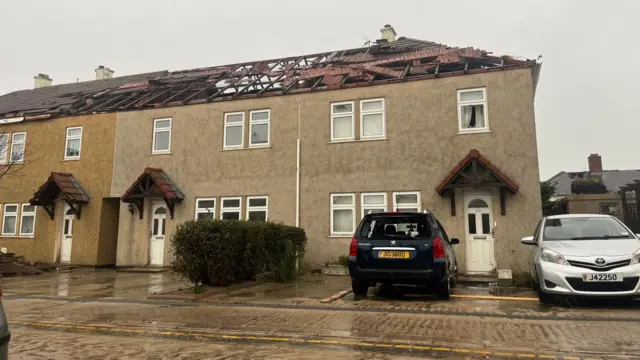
384	62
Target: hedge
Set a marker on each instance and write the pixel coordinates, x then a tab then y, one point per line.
220	252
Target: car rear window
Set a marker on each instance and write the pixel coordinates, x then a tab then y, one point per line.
395	226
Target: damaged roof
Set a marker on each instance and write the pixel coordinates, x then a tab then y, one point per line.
382	62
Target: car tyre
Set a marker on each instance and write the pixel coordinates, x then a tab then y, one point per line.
360	288
544	298
443	290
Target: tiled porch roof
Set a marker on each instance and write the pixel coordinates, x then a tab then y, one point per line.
60	186
155	182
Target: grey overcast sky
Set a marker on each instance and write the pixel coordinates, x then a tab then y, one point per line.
587	98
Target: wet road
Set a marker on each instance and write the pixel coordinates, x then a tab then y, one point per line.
281	320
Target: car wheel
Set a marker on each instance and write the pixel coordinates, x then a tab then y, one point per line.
443	290
544	298
360	288
534	284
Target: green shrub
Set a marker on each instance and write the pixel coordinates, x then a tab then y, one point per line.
343	260
219	252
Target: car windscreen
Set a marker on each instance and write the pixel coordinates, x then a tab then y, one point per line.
584	228
380	227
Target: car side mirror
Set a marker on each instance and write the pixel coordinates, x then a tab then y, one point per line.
454	241
528	240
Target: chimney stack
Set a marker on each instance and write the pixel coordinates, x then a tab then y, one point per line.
388	33
103	73
595	164
41	80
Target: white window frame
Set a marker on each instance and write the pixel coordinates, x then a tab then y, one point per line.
22	214
224	210
365	208
258	208
24	147
353	120
4	148
372	112
224	137
351	207
156	131
4	219
482	102
258	122
74	137
417	205
200	210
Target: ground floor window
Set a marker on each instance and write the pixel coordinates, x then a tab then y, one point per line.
9	219
406	201
205	208
257	208
231	208
373	203
343	209
27	220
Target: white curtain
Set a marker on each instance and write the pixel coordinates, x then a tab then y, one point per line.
466	116
342	220
479	116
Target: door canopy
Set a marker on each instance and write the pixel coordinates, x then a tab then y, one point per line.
60	186
475	171
153	183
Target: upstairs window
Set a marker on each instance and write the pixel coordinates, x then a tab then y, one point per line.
343	209
27	220
259	128
372	119
4	146
161	136
9	219
17	147
257	208
73	143
342	124
233	130
205	209
472	110
231	209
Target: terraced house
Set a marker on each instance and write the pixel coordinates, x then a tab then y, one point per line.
318	140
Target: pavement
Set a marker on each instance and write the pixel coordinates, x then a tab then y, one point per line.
280	321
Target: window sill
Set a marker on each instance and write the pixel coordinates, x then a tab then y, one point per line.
71	159
340	236
161	153
356	141
255	147
474	132
15	236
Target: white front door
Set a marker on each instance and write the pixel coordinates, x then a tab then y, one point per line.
67	235
479	234
158	225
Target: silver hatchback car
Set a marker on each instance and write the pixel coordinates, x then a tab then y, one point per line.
584	255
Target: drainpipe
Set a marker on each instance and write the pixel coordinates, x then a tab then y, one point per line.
298	179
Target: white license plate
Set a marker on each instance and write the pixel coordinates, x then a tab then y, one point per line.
602	277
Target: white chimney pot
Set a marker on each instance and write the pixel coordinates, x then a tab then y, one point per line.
103	73
388	33
41	80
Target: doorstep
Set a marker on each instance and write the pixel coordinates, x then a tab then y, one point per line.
142	269
477	279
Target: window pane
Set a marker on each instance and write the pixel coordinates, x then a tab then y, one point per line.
373	211
406	198
237	118
262	115
258	215
164	225
342	220
11	208
472	116
163	124
28	208
66	227
17	152
343	200
18	137
372	125
234	136
74	132
73	147
342	108
343	127
472	223
203	204
259	133
373	199
231	203
205	216
70	212
231	216
27	224
372	105
258	202
471	96
155	226
478	203
162	141
160	211
9	225
486	226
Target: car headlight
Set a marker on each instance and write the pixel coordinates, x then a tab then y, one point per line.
636	258
553	257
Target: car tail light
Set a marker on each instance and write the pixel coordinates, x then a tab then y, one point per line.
438	249
353	248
